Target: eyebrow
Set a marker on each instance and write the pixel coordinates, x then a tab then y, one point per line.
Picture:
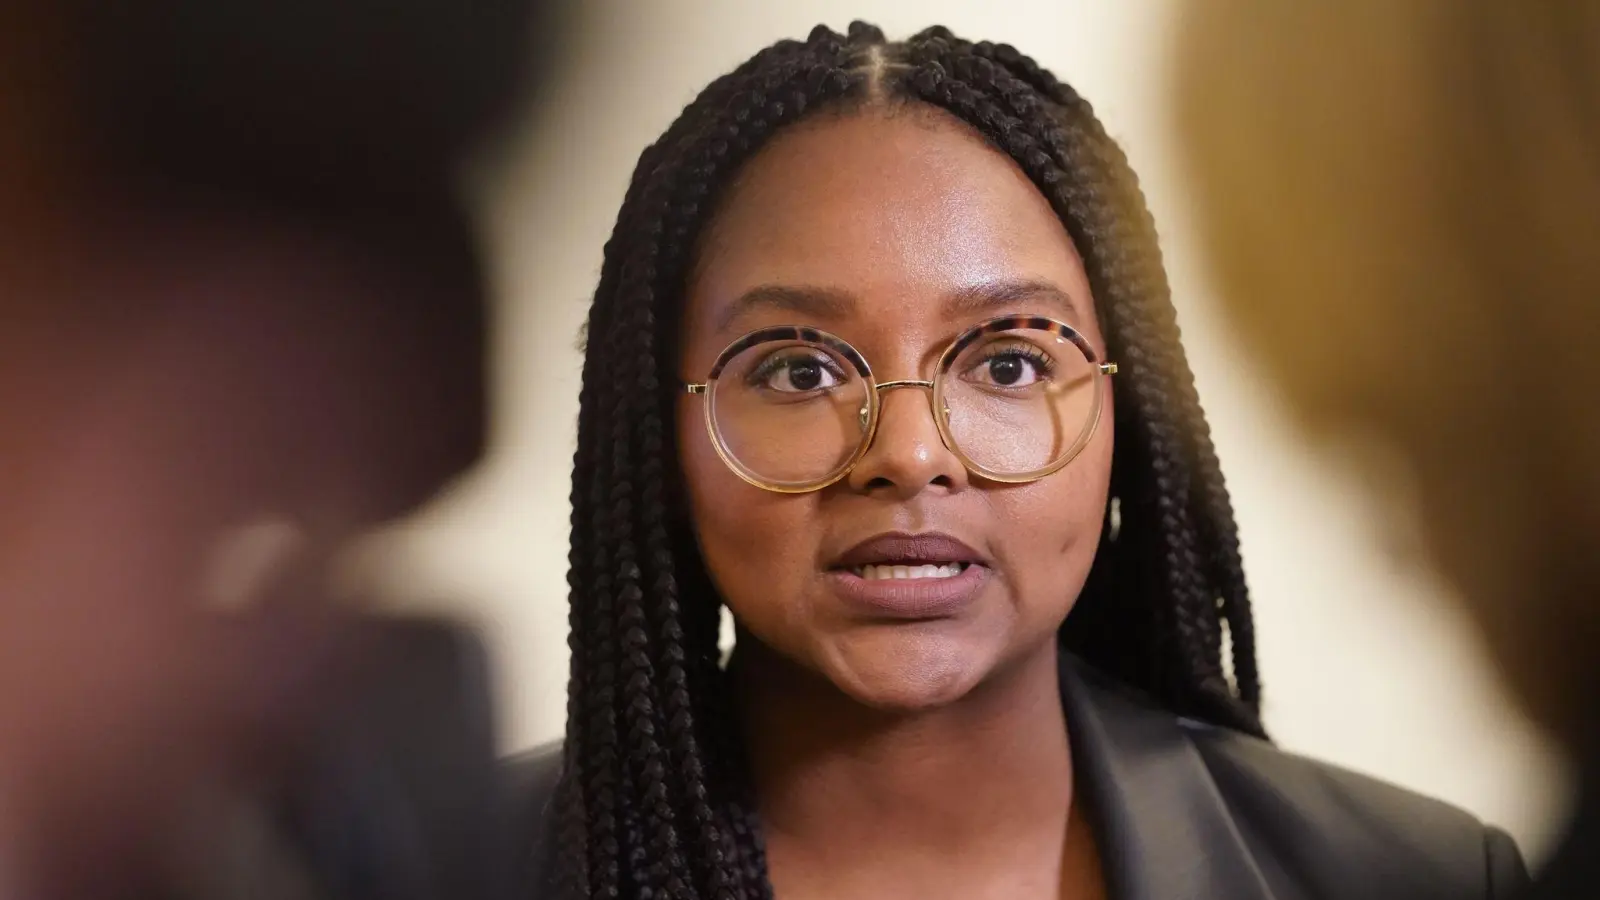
833	304
1008	295
810	302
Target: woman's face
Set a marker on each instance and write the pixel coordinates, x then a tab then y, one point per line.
894	232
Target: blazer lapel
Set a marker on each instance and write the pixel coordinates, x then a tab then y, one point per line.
1163	829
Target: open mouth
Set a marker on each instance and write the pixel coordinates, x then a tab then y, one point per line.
910	577
908	557
908	571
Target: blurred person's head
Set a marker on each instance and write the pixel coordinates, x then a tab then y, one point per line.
1401	201
237	277
948	222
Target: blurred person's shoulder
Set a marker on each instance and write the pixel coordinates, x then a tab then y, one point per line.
530	779
1181	803
1186	809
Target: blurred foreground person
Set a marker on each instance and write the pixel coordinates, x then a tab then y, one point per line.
1402	201
241	320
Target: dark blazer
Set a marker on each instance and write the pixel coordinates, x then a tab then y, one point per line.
1188	811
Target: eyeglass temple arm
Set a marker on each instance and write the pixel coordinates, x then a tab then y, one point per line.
695	388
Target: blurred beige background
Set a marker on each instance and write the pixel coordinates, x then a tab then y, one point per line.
1363	661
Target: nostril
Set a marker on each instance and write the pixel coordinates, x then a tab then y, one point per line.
879	482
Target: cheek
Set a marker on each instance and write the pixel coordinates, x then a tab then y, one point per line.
1052	529
758	546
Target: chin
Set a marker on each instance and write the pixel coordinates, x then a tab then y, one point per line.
907	672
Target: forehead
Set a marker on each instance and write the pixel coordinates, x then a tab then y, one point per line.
897	210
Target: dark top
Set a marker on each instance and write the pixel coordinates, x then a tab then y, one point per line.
1188	811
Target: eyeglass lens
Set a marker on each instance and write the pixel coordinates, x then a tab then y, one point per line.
792	413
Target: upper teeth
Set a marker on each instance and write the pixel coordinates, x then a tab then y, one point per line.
875	573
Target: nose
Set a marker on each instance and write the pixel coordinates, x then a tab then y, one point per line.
907	454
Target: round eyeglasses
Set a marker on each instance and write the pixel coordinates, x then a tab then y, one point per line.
792	409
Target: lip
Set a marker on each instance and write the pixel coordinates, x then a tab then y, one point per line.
915	598
910	599
898	547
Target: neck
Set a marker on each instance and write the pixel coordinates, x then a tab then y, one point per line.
837	782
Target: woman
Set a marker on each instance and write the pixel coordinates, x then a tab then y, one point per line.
1448	187
850	372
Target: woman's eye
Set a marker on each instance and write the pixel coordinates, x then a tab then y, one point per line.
799	375
1008	368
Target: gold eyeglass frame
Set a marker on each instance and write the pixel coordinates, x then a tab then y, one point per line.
1101	371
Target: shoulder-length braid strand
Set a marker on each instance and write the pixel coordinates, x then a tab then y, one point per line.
654	800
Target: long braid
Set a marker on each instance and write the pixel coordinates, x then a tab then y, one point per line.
655	798
1223	532
649	642
588	836
583	838
661	704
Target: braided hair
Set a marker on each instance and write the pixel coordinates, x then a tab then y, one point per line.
654	800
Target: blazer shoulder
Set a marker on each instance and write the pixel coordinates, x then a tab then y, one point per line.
1327	825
